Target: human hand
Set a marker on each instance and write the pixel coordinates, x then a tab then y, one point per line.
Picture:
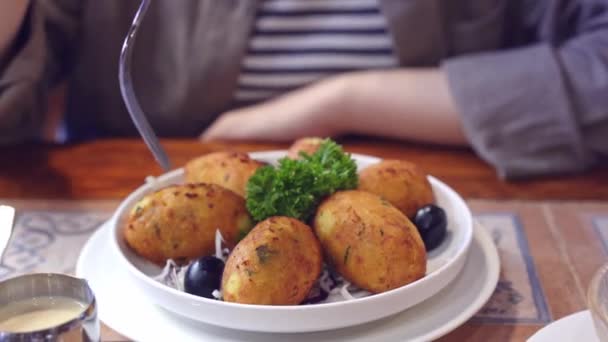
315	110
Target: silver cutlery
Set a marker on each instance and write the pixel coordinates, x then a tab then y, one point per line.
128	94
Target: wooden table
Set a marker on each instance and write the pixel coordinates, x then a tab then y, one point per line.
111	169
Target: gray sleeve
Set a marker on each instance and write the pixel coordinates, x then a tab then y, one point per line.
542	108
37	59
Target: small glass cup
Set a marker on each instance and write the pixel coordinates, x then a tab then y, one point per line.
83	326
597	300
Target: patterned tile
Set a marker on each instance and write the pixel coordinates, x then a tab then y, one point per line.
48	241
518	297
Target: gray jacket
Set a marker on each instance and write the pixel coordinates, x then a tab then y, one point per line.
530	77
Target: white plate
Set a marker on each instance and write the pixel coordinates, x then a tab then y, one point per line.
128	311
443	266
577	327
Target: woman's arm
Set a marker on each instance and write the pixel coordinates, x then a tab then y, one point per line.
412	104
541	108
11	17
400	103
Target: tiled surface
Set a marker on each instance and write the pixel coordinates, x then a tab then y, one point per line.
566	250
548	252
519	297
48	241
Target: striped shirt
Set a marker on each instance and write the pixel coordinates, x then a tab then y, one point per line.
296	42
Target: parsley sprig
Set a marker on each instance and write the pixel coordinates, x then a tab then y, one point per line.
295	187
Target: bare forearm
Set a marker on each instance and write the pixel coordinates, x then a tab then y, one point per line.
11	17
413	104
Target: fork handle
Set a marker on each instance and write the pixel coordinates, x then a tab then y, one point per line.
128	94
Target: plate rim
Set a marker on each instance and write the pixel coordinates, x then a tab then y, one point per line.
544	332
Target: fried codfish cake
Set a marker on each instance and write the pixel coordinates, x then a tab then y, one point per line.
231	170
277	263
309	145
369	241
399	182
180	222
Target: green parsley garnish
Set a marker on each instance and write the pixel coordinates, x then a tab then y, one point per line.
295	187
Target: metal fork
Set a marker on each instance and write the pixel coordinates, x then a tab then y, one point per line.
128	95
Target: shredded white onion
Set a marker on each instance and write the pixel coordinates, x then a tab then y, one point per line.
181	275
217	294
172	275
344	291
218	245
165	272
325	281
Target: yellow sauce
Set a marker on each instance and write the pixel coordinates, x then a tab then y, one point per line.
38	313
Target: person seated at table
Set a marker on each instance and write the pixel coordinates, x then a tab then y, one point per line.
523	82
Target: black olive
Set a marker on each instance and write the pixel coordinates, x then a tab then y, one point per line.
431	222
204	276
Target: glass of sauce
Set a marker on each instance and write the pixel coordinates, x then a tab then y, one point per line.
47	307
